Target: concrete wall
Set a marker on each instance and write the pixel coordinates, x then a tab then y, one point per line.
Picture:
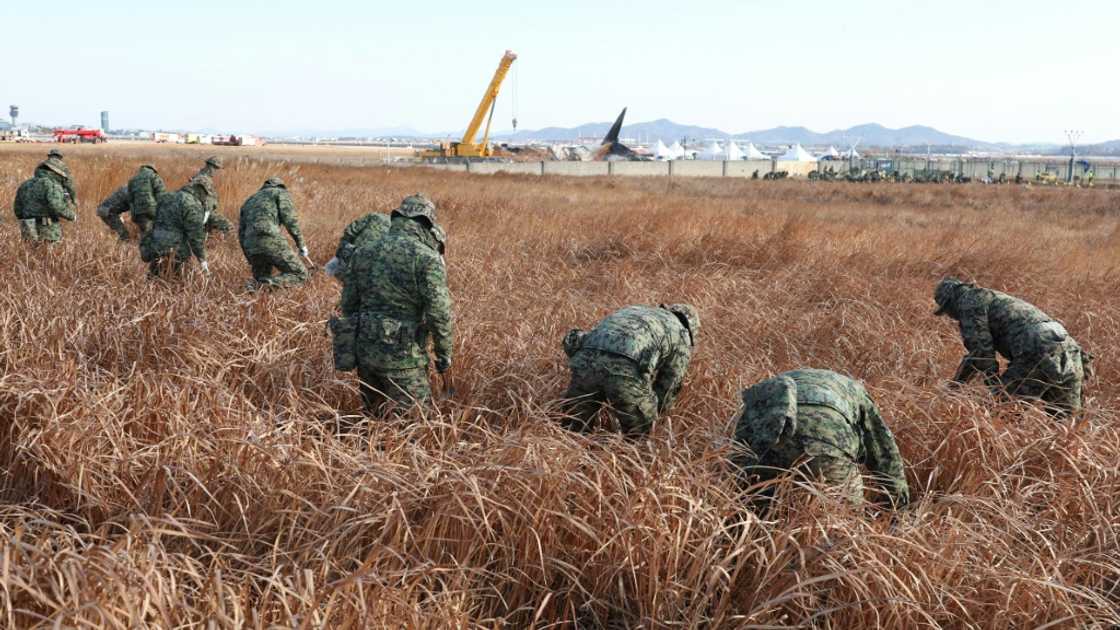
746	168
517	168
697	168
579	169
795	169
640	169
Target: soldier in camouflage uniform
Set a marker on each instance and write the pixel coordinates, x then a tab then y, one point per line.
40	202
216	222
144	191
1044	361
362	231
54	156
178	231
111	209
826	423
634	360
261	241
397	287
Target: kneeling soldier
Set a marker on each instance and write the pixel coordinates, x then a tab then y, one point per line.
827	423
40	202
634	360
1044	361
261	241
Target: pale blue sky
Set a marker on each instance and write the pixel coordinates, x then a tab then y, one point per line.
995	70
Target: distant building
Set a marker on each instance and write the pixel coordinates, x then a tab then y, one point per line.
105	122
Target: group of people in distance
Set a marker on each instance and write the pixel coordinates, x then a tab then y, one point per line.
395	305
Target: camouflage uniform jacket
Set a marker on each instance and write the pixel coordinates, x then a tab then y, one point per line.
43	197
654	339
362	231
398	288
178	226
992	322
116	203
68	182
261	218
144	190
835	417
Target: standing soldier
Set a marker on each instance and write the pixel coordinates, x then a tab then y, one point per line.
261	241
397	289
215	222
144	190
1044	361
178	231
826	420
40	202
54	156
362	231
634	360
111	209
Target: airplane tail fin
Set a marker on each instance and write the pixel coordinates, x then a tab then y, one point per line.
616	129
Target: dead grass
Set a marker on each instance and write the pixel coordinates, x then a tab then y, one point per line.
169	458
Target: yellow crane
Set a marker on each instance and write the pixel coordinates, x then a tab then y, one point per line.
466	147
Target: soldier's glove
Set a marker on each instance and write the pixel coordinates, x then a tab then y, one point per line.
443	365
205	267
304	252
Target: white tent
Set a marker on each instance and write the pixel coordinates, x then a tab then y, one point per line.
732	152
677	150
797	154
752	153
851	154
830	154
711	152
661	152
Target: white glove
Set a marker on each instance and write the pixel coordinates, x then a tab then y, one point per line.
205	267
303	251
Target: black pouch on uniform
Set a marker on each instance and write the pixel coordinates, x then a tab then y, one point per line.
344	333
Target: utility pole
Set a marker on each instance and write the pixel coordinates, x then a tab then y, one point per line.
1073	135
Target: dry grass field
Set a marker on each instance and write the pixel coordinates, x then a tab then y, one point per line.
170	458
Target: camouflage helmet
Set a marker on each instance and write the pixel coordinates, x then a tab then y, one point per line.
152	167
274	182
55	153
203	184
54	168
214	161
415	206
689	315
946	294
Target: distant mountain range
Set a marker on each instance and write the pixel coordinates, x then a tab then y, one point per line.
871	134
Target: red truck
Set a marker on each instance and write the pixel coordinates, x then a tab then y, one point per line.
94	136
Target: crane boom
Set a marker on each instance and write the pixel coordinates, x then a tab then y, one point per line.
467	146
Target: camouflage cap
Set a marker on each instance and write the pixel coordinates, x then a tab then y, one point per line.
945	294
415	206
214	161
274	182
690	316
55	153
54	168
150	166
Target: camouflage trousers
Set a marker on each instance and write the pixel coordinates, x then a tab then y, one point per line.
169	265
822	449
388	391
1055	378
35	230
217	223
143	223
600	378
113	221
292	271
